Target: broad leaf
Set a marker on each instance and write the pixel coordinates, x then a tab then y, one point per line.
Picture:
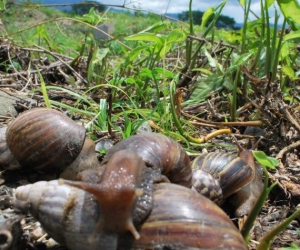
290	10
269	3
149	37
207	14
292	35
92	17
288	71
156	27
265	160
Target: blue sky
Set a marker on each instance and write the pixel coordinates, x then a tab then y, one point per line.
232	8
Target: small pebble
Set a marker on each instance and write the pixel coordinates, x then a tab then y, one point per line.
37	232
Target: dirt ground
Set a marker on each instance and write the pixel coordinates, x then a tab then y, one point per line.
280	139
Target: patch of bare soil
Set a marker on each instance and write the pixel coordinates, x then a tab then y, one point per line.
280	138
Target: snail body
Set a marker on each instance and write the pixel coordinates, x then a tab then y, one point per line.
160	153
45	140
124	192
180	219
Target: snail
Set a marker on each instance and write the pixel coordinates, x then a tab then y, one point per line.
144	159
159	152
215	175
218	175
125	189
174	217
245	198
47	141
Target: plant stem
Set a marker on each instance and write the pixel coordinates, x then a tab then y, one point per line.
181	130
246	14
277	54
234	96
268	39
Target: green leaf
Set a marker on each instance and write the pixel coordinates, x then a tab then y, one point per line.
292	35
156	27
2	5
243	3
285	52
148	37
92	17
204	87
165	49
207	14
203	70
130	80
265	160
269	3
100	55
91	65
288	71
132	55
44	91
213	62
290	10
176	35
127	126
145	72
162	73
237	62
102	116
41	31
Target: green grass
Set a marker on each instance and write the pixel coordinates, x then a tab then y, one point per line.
149	52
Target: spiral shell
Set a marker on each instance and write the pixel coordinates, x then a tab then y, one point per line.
45	139
180	219
218	175
245	198
160	153
67	214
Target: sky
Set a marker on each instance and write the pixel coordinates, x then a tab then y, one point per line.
232	7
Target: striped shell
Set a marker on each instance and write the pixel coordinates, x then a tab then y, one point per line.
161	153
45	139
180	219
218	175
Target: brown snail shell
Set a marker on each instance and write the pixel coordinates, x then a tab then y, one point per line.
159	152
180	219
38	137
219	175
245	198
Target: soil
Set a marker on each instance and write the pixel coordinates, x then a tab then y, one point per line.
279	131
